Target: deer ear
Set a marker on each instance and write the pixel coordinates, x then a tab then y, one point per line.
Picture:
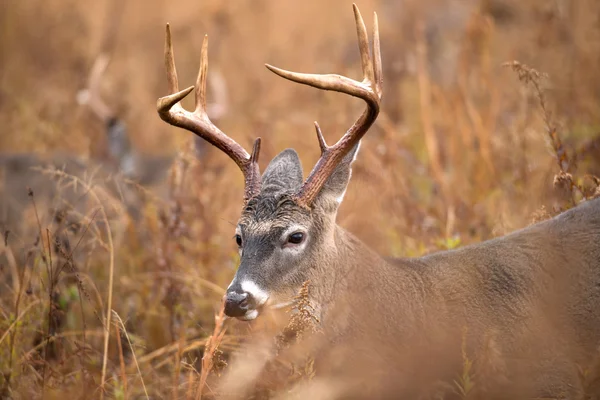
332	193
284	173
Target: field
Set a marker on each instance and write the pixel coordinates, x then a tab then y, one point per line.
489	122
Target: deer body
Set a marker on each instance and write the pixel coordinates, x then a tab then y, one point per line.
533	293
393	327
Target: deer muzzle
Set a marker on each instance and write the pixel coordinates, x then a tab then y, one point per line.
244	300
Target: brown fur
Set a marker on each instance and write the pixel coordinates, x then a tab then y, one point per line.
530	298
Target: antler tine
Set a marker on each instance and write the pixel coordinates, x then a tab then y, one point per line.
197	122
363	46
377	69
170	62
100	64
90	95
201	81
369	90
320	138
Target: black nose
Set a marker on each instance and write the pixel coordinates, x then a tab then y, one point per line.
237	304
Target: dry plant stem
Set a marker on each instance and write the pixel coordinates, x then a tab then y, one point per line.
530	75
482	126
16	321
172	229
51	283
479	126
53	279
74	182
39	224
111	270
137	366
49	288
27	356
91	283
426	113
176	371
12	329
194	345
21	288
190	391
12	262
81	291
178	357
121	361
209	350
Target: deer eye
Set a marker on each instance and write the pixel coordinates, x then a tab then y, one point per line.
238	240
296	238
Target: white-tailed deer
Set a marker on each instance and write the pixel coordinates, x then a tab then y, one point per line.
533	296
142	168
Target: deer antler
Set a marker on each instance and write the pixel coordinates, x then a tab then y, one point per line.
370	90
91	94
197	122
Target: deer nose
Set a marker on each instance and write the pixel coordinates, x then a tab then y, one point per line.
237	304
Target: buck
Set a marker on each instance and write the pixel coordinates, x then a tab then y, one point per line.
533	295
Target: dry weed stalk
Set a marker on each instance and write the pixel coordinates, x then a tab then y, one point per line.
56	242
564	179
92	192
173	228
465	383
425	99
211	350
121	326
13	328
303	319
539	215
121	361
52	308
302	323
480	111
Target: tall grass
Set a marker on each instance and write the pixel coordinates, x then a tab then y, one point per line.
462	152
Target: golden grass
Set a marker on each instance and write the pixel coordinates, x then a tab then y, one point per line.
461	153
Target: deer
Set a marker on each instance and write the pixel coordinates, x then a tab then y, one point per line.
144	169
124	162
532	295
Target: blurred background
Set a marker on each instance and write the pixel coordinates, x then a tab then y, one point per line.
104	206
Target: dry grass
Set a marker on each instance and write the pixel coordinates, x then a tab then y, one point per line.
462	152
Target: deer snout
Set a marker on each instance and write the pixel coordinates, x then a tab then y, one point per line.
243	300
237	304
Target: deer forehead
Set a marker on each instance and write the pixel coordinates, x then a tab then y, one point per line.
261	227
279	226
268	216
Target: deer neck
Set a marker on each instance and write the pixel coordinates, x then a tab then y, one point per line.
333	273
352	283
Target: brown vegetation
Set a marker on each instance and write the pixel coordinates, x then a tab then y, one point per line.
462	152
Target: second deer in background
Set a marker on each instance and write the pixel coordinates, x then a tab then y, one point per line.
142	168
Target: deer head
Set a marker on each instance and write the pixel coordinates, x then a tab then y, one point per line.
287	225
